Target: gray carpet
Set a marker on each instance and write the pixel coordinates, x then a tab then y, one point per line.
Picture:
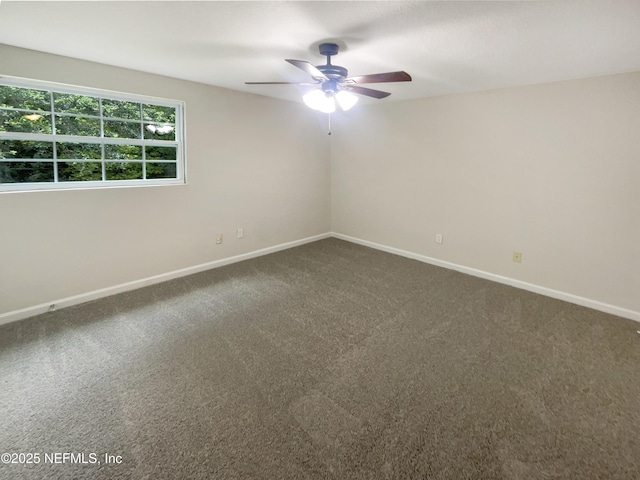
327	361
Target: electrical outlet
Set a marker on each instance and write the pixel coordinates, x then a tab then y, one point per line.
438	238
218	239
517	257
240	233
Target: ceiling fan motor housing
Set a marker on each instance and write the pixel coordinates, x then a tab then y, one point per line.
334	72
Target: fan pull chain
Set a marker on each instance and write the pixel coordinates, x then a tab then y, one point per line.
329	116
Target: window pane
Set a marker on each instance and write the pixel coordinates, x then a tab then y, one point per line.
79	171
81	126
161	170
52	133
124	171
70	103
158	113
12	121
67	150
160	153
25	149
158	131
27	98
26	172
123	152
114	128
121	109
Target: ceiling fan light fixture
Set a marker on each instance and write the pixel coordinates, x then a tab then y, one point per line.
346	100
320	100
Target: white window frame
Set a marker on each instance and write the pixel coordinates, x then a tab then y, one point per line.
100	94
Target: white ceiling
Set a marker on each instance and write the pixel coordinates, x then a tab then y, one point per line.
448	46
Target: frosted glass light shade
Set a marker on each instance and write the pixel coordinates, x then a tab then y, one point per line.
346	100
319	100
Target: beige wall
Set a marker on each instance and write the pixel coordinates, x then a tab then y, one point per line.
552	171
252	162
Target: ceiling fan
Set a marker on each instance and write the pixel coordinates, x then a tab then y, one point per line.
335	84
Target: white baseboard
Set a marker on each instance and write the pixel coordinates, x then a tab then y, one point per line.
124	287
163	277
549	292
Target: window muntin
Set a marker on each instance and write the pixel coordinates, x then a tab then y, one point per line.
56	136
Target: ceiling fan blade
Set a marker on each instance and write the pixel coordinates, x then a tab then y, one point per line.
307	67
369	92
278	83
381	78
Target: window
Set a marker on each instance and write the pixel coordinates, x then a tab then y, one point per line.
58	136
